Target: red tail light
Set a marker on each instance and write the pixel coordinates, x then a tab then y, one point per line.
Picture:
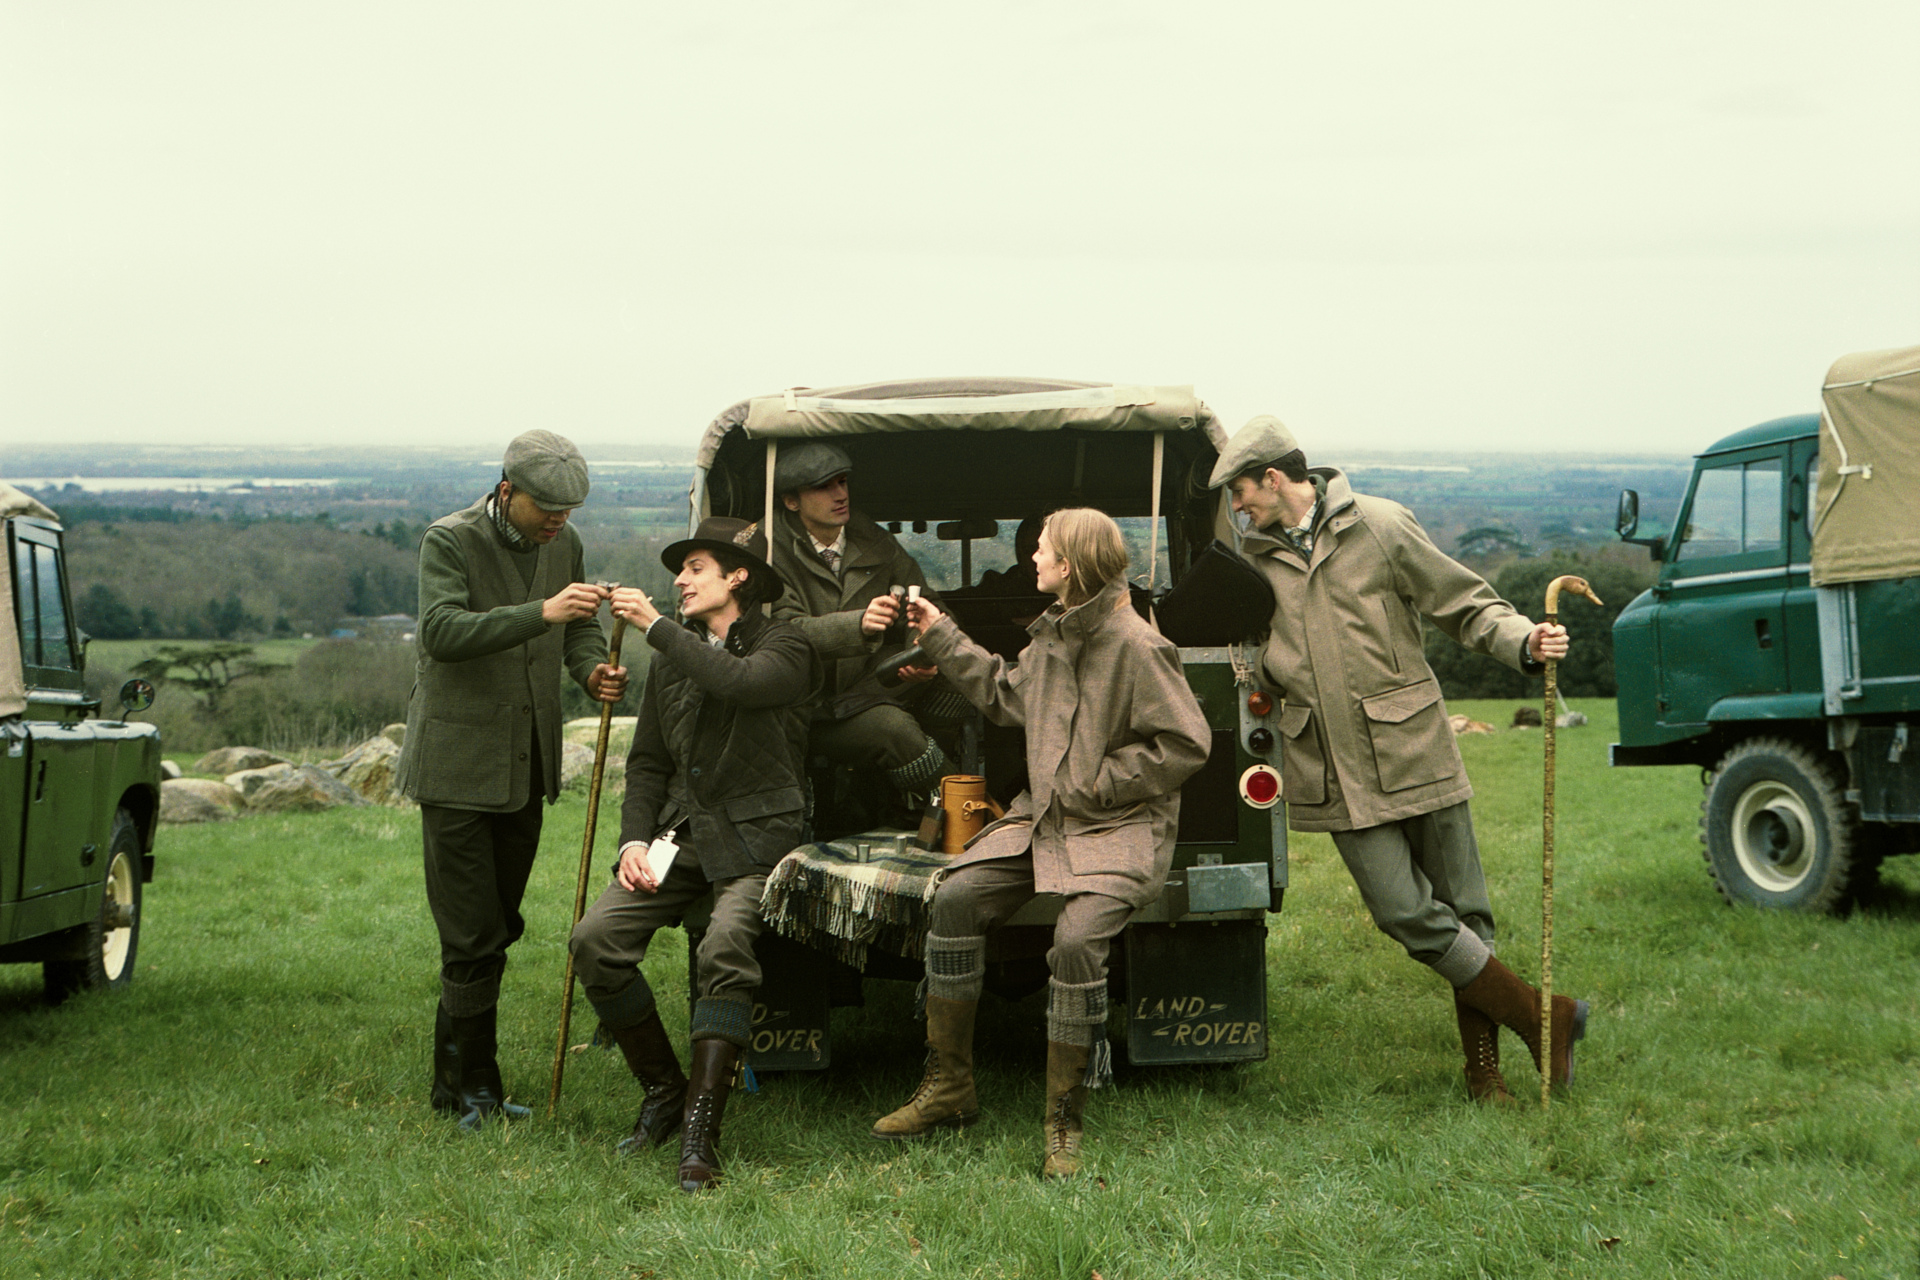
1260	786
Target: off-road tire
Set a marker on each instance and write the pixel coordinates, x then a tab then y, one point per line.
1777	829
106	956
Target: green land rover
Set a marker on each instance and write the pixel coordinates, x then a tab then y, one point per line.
1779	651
79	795
950	467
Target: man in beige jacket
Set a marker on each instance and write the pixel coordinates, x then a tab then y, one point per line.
1366	751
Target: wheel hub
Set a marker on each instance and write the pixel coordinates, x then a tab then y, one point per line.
1772	832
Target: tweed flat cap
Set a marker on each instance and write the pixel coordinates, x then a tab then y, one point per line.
1263	439
811	462
548	469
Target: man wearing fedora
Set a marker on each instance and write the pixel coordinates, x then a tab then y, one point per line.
840	568
715	797
1367	753
503	608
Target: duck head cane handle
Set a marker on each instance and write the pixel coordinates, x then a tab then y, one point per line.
1579	587
586	863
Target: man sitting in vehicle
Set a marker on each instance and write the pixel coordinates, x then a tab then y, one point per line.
840	569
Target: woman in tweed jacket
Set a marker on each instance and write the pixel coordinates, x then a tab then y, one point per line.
1112	730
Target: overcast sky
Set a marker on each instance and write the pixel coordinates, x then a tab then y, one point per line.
1398	226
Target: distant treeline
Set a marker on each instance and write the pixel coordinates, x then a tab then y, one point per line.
204	577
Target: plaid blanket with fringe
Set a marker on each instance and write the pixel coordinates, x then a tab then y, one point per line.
829	898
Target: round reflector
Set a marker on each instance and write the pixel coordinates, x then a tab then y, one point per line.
1260	786
1260	702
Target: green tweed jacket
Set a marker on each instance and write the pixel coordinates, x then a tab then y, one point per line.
488	676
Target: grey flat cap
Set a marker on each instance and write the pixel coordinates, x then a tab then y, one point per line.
804	465
1263	439
548	469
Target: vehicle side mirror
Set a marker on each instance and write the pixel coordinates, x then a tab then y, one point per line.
135	695
1628	518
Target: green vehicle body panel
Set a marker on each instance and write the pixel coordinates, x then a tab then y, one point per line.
64	773
1727	644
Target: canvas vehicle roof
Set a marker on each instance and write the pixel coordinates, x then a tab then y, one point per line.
13	675
918	452
1864	524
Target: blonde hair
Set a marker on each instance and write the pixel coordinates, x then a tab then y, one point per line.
1090	542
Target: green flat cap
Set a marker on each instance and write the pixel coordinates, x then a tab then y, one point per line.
811	462
548	469
1263	439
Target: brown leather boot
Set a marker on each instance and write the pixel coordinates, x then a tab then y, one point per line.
712	1080
945	1098
1513	1004
1066	1108
654	1064
1480	1038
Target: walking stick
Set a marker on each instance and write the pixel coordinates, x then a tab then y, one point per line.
586	865
1579	587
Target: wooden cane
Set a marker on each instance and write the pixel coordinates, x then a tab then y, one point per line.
586	866
1579	587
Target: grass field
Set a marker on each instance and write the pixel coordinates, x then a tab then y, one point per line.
1748	1101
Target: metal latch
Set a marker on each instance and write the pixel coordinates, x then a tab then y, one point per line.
1898	747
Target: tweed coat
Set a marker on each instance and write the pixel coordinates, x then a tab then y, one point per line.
1364	733
487	676
827	607
720	742
1113	730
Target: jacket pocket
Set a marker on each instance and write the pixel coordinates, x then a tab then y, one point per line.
1111	848
1303	764
1412	743
467	760
765	804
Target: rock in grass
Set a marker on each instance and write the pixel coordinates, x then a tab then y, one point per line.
369	770
1462	725
184	800
249	781
396	734
307	789
225	760
576	766
168	769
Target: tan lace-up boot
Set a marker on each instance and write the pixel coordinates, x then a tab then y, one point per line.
945	1098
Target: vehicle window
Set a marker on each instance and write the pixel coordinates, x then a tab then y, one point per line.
25	603
56	644
1735	509
1713	525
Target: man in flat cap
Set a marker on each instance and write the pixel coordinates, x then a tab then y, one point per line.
840	569
504	605
1366	750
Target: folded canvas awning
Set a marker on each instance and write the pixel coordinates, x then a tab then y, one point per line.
1867	503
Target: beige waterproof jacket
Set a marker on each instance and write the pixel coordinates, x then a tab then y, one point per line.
1364	733
827	607
1112	732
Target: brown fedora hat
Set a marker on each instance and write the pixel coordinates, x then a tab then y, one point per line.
726	533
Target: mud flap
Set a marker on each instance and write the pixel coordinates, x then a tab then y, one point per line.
1195	992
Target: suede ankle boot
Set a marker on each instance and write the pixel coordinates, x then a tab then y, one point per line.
1066	1108
945	1098
1480	1041
1513	1004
